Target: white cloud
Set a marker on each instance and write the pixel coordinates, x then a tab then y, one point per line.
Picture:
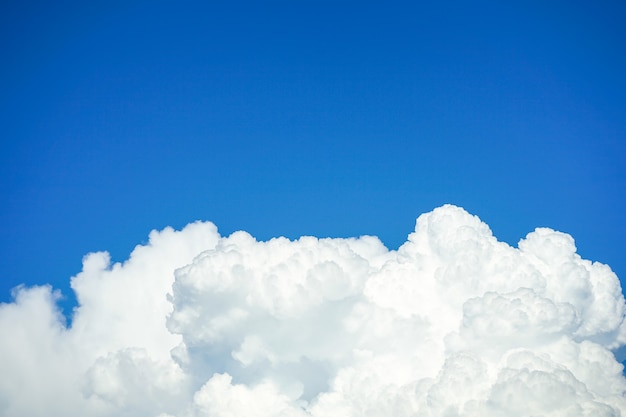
452	323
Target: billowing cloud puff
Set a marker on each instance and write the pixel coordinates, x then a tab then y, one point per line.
453	323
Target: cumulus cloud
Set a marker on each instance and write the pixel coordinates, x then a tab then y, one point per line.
453	323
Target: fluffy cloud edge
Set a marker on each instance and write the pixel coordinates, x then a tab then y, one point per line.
196	324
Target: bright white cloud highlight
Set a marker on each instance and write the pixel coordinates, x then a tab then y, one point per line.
453	323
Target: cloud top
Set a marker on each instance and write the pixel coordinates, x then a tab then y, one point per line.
453	323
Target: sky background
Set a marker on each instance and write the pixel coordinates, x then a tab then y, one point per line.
317	118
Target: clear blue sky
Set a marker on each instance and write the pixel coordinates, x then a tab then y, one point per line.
316	118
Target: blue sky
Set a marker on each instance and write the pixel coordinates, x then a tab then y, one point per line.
316	118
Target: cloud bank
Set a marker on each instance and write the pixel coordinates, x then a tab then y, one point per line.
453	323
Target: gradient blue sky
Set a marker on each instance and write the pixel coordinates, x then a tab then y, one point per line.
316	118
